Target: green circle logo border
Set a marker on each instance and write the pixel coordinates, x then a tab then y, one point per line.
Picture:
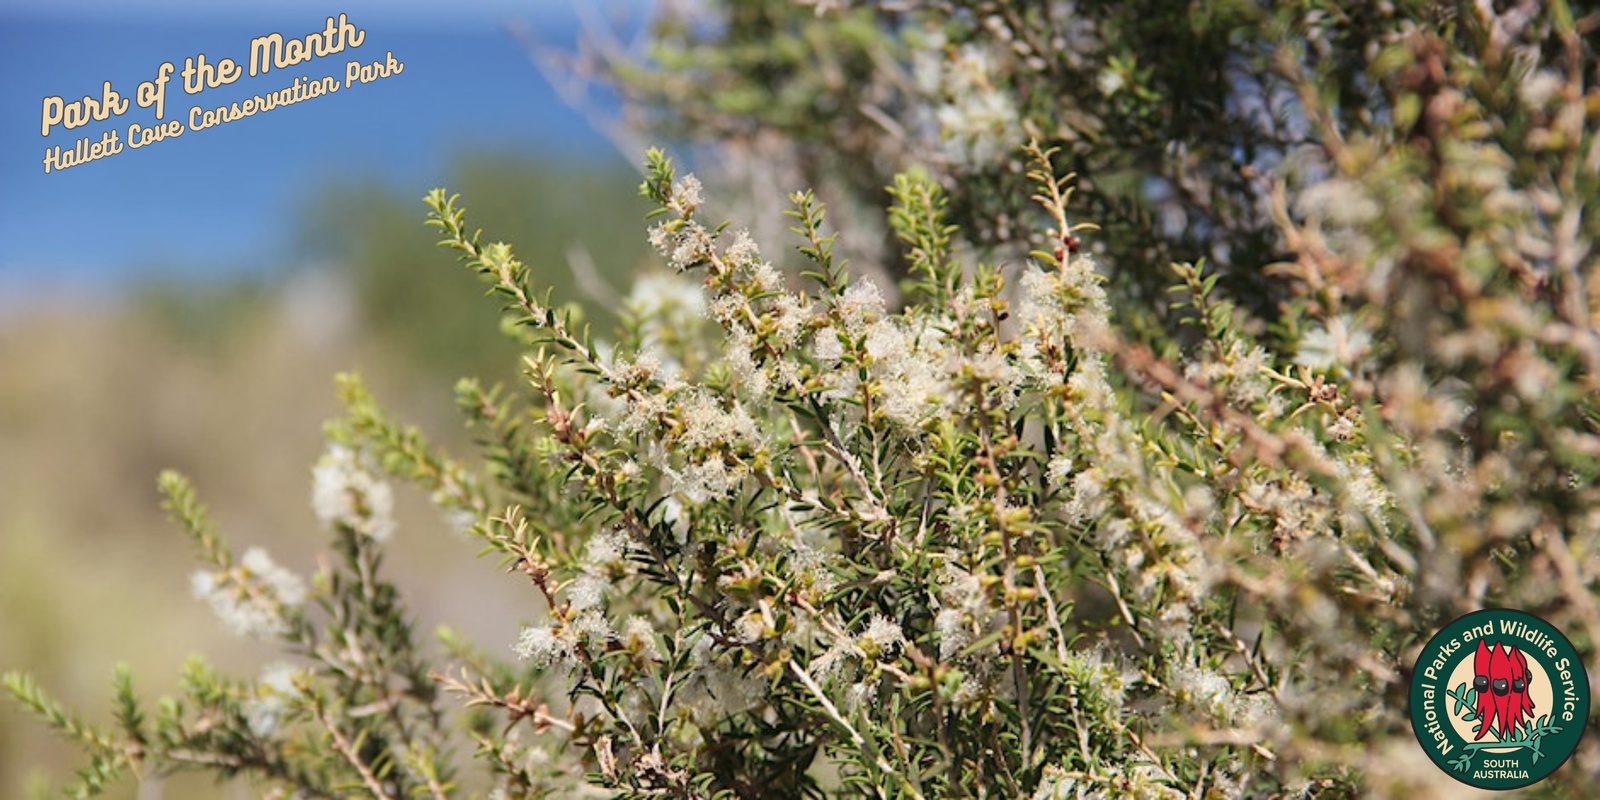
1429	733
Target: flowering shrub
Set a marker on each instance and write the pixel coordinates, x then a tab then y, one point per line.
785	538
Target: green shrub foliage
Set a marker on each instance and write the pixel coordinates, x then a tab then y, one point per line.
783	536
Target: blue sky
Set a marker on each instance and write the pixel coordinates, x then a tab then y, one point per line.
222	199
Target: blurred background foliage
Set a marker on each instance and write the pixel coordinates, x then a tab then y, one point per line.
583	217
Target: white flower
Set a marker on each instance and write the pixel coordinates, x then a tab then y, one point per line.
788	315
285	585
1539	87
707	424
607	549
588	591
279	677
908	364
252	614
637	373
860	304
674	516
1063	306
729	309
969	692
1088	499
1338	201
753	380
639	636
954	633
709	432
1211	692
833	660
683	243
860	694
669	310
642	415
764	278
826	347
964	610
826	6
751	627
743	252
202	583
345	492
1097	671
1057	784
542	647
1059	469
669	297
1341	341
978	122
717	688
593	627
686	195
887	342
265	712
882	637
811	562
1109	81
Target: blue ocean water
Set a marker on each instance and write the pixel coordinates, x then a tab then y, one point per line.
221	199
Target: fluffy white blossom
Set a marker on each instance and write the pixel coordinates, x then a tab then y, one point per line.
283	584
1338	201
346	492
860	305
1057	784
592	626
708	423
683	243
826	347
666	296
860	694
669	309
639	636
710	429
1340	341
882	637
1059	469
687	196
1214	694
587	591
717	688
607	550
1063	307
978	119
266	710
252	598
542	647
965	613
1102	673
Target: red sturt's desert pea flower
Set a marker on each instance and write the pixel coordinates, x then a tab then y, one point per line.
1500	675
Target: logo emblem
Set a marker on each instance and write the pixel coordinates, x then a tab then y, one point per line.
1499	699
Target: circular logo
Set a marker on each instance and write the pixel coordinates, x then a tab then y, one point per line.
1499	699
